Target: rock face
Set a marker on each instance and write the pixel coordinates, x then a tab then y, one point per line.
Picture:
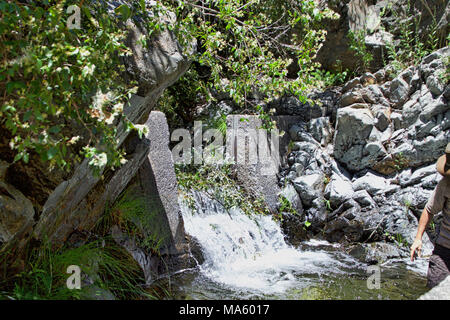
374	18
369	177
440	292
16	212
368	137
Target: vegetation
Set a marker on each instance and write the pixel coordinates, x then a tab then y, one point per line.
60	97
358	45
410	47
218	183
105	267
56	82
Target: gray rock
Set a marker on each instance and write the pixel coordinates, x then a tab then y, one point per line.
435	85
364	199
399	91
157	176
159	67
308	187
16	212
370	182
349	98
321	130
406	178
291	195
383	121
351	84
353	129
439	292
377	252
339	190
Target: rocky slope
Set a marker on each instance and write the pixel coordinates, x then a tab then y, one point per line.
364	168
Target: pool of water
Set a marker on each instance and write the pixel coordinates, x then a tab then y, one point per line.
315	277
246	257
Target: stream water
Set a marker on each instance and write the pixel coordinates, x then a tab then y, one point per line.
246	257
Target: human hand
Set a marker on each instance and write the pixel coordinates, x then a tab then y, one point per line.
416	246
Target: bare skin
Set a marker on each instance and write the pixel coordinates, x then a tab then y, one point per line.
417	244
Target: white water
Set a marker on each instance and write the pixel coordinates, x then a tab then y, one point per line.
250	253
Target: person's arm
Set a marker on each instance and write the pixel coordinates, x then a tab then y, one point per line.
423	223
434	205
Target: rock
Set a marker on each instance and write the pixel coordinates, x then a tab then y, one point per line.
308	187
317	214
159	67
377	252
339	190
351	84
343	230
293	227
156	176
321	130
291	105
383	121
402	225
291	195
368	78
349	98
431	108
435	85
406	178
399	91
380	75
439	292
16	212
364	199
370	182
353	129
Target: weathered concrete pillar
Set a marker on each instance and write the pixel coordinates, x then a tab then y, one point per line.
157	181
256	157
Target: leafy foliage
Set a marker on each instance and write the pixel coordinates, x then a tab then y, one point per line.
62	91
358	45
413	44
60	94
217	182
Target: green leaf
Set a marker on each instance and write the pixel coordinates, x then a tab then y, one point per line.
54	129
124	11
51	153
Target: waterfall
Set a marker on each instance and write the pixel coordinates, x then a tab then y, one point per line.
249	252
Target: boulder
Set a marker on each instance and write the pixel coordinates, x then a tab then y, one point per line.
377	252
353	129
309	187
339	190
370	182
16	212
439	292
291	195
